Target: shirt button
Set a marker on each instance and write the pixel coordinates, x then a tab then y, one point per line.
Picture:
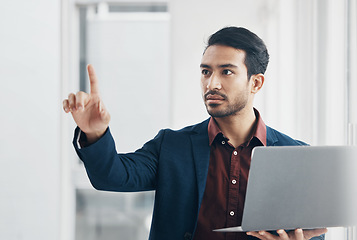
231	213
223	142
235	153
234	181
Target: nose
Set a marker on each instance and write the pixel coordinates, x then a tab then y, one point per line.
214	83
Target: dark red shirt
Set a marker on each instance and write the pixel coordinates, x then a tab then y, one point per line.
223	200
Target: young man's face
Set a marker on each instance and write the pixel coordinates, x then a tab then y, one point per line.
224	81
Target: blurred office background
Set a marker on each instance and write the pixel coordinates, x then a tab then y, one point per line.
147	55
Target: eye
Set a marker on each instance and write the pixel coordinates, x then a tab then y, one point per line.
227	72
205	72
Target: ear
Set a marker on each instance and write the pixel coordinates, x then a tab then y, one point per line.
257	82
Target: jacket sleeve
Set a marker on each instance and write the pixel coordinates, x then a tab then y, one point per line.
110	171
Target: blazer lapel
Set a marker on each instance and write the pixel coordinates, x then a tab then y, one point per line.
201	155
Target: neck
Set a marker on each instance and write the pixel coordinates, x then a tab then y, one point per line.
239	127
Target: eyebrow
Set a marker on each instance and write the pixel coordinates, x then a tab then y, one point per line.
228	65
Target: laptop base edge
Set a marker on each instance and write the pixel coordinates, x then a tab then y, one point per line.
231	229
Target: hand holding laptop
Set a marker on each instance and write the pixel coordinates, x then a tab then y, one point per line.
293	188
298	234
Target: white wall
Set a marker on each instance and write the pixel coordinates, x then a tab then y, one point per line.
30	103
131	56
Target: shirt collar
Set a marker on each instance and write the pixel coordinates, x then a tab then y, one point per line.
213	130
259	132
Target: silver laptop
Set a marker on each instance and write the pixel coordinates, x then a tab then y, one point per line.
300	187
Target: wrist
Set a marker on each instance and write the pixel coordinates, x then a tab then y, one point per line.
92	137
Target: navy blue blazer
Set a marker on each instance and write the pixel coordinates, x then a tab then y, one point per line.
174	164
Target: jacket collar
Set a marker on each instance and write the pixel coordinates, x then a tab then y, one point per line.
272	139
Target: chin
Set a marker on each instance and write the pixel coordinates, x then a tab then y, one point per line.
221	113
217	114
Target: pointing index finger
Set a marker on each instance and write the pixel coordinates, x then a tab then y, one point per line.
93	80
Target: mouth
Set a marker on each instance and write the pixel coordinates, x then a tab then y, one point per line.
214	98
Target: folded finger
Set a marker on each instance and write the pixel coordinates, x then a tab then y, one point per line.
267	235
299	234
81	100
72	102
65	104
257	235
282	234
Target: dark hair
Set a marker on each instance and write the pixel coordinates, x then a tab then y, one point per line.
257	57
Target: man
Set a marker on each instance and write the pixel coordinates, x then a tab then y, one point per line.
199	172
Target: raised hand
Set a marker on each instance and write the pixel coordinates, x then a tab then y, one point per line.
88	110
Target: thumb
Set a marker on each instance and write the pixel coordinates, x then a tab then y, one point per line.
315	232
104	114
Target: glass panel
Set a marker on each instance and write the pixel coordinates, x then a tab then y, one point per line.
130	53
108	215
